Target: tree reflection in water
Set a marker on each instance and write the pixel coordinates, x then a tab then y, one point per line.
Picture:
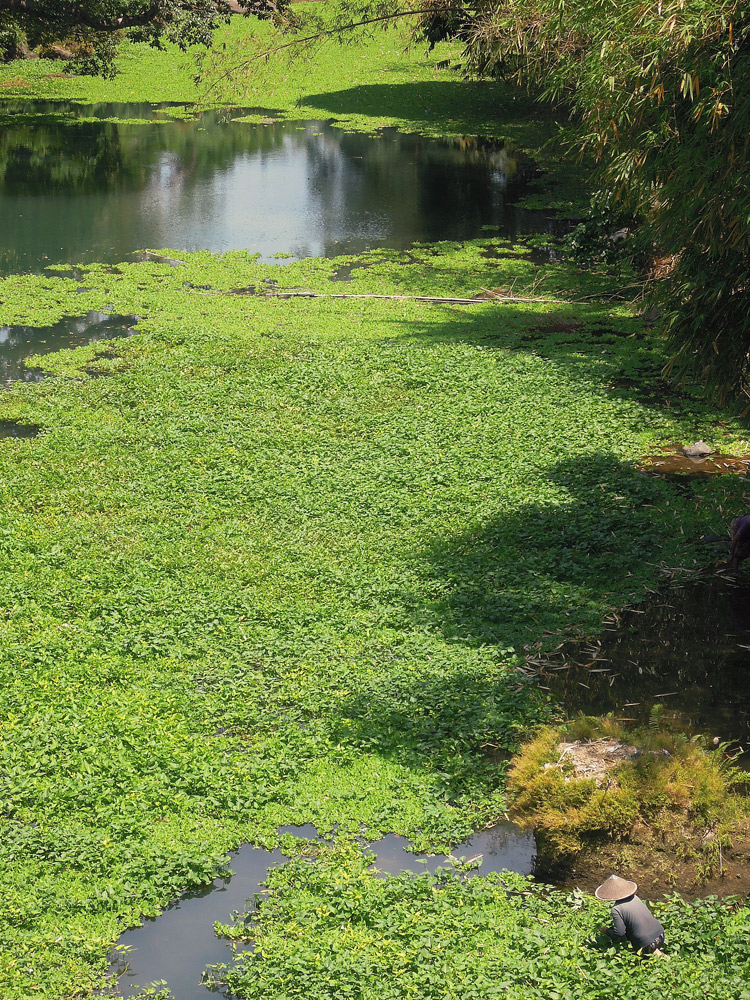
75	191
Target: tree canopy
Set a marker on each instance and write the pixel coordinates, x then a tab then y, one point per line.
93	26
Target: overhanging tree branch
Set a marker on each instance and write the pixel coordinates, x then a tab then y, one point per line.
338	29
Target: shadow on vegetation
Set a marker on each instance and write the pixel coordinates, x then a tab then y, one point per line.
496	587
443	104
608	355
518	574
549	564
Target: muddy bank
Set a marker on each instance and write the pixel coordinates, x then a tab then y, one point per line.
659	871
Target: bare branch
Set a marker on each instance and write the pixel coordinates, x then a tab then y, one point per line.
316	36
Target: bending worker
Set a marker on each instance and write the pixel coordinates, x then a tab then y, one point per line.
631	917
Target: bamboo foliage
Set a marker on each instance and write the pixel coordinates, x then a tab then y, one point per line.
660	90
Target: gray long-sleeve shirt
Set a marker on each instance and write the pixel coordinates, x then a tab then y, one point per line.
631	918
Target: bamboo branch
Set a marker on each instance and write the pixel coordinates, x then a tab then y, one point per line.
316	36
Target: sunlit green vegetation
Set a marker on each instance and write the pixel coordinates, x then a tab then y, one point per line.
332	930
150	75
383	81
278	564
684	801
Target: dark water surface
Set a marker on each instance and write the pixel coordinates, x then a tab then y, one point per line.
14	429
83	191
685	656
180	944
18	342
504	847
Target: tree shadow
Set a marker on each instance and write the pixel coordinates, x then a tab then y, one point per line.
446	107
591	342
604	353
543	567
494	588
573	524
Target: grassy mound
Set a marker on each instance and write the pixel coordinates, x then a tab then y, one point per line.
670	796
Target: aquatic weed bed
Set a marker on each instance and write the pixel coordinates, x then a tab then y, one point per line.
280	566
330	930
276	561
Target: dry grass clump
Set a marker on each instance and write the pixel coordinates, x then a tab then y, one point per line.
590	782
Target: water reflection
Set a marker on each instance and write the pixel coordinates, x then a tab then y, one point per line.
504	847
18	342
81	191
688	651
13	429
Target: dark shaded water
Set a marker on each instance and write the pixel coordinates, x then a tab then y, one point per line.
76	192
180	944
684	657
13	429
18	342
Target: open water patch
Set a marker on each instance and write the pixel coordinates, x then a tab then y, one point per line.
503	847
15	429
180	944
78	186
17	109
17	343
682	660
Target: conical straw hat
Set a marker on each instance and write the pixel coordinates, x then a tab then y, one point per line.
615	888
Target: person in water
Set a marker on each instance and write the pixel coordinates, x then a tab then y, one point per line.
631	918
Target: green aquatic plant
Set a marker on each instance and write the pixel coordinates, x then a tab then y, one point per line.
281	562
332	929
240	587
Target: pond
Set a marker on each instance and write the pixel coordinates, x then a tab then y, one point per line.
77	186
180	944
